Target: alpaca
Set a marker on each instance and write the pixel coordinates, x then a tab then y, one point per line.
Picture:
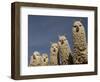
44	59
80	45
65	51
54	53
35	59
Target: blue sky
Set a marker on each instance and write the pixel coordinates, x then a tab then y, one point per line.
45	29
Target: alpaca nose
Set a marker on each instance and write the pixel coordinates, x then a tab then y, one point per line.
77	29
54	50
44	60
34	57
62	42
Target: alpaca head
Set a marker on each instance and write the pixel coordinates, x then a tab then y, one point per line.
78	27
62	40
44	59
36	58
54	48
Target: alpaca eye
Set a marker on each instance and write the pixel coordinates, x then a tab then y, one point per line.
75	26
60	40
80	25
64	39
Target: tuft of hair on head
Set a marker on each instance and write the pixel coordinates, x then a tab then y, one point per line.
36	52
80	20
74	20
51	42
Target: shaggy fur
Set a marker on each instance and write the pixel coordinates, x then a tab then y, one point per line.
65	50
80	45
44	59
35	59
54	53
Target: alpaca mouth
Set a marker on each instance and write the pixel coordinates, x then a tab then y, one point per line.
54	50
44	60
62	42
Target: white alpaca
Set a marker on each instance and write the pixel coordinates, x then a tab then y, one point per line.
35	59
44	59
54	54
80	45
65	50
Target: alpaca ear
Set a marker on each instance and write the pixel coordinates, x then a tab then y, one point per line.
59	36
73	20
32	53
58	44
80	19
65	34
51	42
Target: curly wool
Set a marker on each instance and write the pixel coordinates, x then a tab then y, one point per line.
80	45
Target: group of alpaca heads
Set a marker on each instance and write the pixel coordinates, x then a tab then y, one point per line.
61	56
60	51
39	60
